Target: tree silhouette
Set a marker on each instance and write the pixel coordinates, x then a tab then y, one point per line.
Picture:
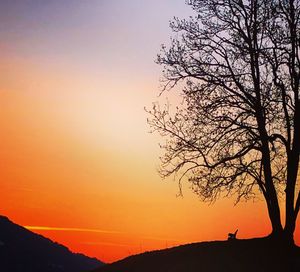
236	131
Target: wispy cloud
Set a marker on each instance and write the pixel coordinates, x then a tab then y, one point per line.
71	229
45	228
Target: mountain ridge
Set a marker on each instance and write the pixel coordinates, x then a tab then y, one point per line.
24	251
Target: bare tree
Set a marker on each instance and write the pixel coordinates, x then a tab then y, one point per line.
237	63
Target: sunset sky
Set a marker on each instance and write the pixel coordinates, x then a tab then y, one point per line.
77	161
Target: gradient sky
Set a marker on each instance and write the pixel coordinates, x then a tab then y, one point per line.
77	163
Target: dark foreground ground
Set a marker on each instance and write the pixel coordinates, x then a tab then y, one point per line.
255	255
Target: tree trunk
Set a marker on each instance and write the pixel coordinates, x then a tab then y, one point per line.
292	208
293	151
271	194
277	229
291	212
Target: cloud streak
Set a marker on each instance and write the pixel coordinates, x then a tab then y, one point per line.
71	229
45	228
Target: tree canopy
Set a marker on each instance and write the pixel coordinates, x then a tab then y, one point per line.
237	64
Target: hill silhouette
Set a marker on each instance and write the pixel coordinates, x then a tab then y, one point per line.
24	251
259	255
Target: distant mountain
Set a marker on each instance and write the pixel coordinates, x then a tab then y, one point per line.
259	255
24	251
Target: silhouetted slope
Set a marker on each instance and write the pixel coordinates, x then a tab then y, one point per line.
24	251
255	255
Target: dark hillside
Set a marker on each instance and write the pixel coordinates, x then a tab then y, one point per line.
24	251
257	255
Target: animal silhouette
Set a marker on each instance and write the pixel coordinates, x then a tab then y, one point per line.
232	236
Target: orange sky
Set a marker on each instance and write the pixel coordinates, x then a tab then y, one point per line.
77	163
